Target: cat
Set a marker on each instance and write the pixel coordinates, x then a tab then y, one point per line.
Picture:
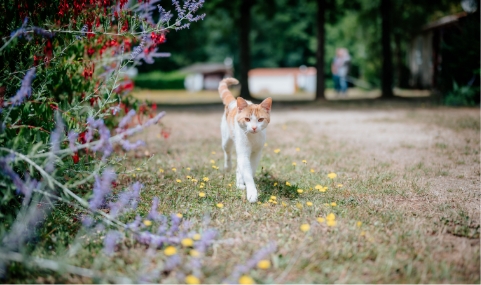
243	126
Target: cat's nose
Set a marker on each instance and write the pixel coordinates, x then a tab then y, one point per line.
254	128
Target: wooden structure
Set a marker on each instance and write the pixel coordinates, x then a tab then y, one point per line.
205	76
282	81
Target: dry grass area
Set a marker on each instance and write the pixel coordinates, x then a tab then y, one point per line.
406	197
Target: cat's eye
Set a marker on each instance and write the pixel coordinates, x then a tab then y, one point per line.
261	119
248	120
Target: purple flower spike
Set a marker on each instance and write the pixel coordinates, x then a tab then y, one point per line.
72	138
110	241
153	214
25	90
102	187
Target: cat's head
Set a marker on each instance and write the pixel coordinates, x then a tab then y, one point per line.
253	118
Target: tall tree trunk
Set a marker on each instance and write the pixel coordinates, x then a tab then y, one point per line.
321	19
244	45
387	66
399	62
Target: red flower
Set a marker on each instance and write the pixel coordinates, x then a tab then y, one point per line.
75	157
90	51
158	38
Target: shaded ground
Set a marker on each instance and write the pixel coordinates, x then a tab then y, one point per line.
410	176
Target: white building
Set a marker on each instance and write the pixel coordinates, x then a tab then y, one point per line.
282	81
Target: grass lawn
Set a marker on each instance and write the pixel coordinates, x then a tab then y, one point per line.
405	198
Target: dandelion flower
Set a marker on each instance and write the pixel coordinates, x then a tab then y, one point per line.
294	164
304	161
188	177
187	242
245	279
287	183
259	202
178	180
265	144
215	167
196	236
305	227
331	217
213	152
201	186
332	175
264	264
277	150
284	204
323	189
273	197
220	205
147	223
161	170
194	253
312	170
339	185
179	215
188	168
191	279
194	180
298	149
321	220
205	179
309	204
300	191
174	169
334	204
133	175
299	205
331	223
318	187
230	185
359	224
170	250
201	194
275	183
212	161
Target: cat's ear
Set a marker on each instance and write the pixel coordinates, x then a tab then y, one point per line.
267	104
241	103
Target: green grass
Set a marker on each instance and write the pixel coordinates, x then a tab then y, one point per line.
394	225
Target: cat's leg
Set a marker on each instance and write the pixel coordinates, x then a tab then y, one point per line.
240	184
227	145
245	168
255	158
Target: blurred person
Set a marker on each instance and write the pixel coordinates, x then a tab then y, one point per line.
340	68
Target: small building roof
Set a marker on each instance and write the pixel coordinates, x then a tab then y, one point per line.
444	21
282	71
206	68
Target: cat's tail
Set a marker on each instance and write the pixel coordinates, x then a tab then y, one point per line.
224	91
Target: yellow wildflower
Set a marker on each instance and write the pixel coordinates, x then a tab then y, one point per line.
194	180
305	227
196	236
188	177
331	223
205	179
299	205
174	169
170	250
275	183
332	175
215	167
201	186
220	205
300	191
331	217
309	204
191	279
339	185
277	150
318	187
321	220
178	180
138	169
287	183
265	144
298	149
264	264
304	161
245	279
201	194
294	164
230	185
334	204
312	170
213	152
147	223
179	215
212	161
188	168
359	224
133	175
194	253
273	197
284	204
259	202
161	170
187	242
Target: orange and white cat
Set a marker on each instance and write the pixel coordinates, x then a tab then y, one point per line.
243	126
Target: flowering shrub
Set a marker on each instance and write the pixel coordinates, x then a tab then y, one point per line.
65	105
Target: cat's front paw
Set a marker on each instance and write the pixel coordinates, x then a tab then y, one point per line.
240	186
252	197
